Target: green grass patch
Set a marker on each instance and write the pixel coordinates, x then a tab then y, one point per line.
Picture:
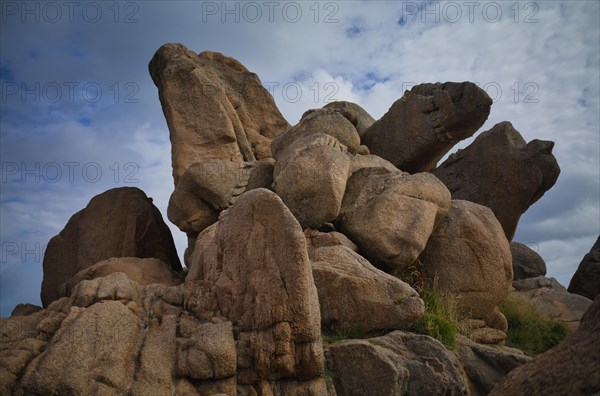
440	319
528	330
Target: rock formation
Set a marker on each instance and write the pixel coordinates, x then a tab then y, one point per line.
298	236
586	280
526	262
501	171
121	222
423	125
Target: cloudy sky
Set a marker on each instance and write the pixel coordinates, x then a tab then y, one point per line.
80	114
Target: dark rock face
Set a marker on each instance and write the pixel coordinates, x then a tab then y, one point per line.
423	125
121	222
586	280
501	171
526	262
570	368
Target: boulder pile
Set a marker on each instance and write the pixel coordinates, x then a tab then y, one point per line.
309	247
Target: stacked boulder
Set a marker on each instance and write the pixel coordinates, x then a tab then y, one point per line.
293	232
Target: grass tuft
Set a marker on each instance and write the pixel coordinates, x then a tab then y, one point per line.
440	319
528	330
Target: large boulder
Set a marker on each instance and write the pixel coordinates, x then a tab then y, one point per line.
571	368
501	171
313	165
468	255
310	177
527	263
391	215
423	125
552	300
215	108
586	280
255	263
356	297
395	364
121	222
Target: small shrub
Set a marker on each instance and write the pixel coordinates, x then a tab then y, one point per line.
439	319
528	330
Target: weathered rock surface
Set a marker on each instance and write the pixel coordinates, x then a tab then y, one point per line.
356	297
121	222
526	262
586	280
313	165
353	112
390	216
501	171
142	271
208	187
310	177
468	255
396	364
571	368
552	300
485	366
215	108
255	261
423	125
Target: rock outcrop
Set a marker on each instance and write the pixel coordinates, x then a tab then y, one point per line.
121	222
469	256
586	280
571	368
501	171
527	263
423	125
330	229
215	108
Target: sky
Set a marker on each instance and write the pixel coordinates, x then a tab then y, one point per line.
79	112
